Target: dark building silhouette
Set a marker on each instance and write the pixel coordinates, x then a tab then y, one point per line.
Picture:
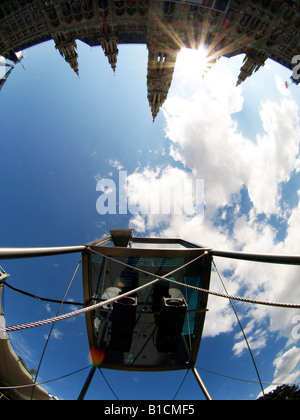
261	29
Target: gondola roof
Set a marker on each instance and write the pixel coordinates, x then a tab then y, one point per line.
159	327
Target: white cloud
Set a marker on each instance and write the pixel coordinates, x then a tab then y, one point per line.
274	157
48	307
138	223
292	239
219	82
208	143
281	87
220	317
116	164
286	363
222	86
158	193
55	334
257	340
287	369
206	139
269	282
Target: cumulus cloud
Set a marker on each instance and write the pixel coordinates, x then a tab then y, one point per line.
275	155
161	192
206	141
287	369
285	365
220	317
138	223
257	339
204	138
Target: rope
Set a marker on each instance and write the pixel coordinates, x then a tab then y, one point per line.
108	384
180	386
43	299
157	278
238	298
52	326
242	329
44	382
97	305
243	380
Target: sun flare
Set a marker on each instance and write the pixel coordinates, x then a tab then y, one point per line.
194	62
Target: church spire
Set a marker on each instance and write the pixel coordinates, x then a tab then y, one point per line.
67	49
111	51
252	63
109	42
162	57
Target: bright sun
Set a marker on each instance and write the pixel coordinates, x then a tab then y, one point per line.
193	62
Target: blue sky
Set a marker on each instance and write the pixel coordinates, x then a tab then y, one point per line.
61	134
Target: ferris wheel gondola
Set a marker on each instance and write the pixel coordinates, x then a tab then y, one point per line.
145	300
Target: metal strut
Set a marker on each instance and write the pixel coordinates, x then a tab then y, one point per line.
201	384
265	258
87	384
14	253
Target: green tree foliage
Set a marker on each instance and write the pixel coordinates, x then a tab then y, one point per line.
31	371
283	393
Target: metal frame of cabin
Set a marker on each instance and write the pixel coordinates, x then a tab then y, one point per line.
190	250
187	250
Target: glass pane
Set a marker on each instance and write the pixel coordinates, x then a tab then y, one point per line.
158	245
144	341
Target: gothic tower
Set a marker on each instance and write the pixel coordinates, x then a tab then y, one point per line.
67	48
109	40
162	55
110	49
252	62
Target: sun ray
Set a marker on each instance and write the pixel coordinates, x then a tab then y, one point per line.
195	63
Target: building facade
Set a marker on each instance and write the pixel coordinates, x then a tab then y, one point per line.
260	29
